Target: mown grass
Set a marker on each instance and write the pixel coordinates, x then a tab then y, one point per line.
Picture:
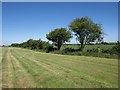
26	68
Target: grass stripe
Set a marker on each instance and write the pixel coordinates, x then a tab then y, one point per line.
99	81
61	71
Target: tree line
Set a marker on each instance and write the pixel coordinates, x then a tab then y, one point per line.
32	44
85	30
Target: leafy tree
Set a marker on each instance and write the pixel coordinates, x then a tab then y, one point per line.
32	44
59	36
29	43
49	48
45	44
86	31
40	44
15	45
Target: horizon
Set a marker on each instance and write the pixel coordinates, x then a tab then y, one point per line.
25	20
66	43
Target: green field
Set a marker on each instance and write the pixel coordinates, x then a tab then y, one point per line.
22	68
89	46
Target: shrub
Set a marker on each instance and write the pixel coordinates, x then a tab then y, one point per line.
93	50
109	51
69	50
116	48
49	48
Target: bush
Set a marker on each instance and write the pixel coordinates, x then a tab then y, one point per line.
109	51
69	50
116	48
93	50
49	48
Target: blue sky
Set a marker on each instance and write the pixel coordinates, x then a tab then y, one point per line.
22	21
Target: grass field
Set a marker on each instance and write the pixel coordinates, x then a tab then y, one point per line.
89	46
22	68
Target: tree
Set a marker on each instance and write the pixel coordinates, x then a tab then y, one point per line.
39	44
59	36
32	44
29	43
86	31
15	45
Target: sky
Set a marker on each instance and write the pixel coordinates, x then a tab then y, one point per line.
24	20
0	23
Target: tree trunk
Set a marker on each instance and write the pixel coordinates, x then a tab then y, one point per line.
59	46
81	46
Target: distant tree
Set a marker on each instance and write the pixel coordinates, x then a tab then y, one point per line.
34	44
59	36
45	44
15	45
29	43
86	31
105	43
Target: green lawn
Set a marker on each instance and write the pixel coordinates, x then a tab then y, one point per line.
22	68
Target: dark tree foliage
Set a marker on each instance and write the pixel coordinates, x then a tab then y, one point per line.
32	44
15	45
117	47
49	48
86	31
59	36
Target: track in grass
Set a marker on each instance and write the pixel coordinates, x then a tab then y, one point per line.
22	68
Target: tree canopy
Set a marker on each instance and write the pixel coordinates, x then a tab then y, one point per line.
86	30
32	44
59	36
